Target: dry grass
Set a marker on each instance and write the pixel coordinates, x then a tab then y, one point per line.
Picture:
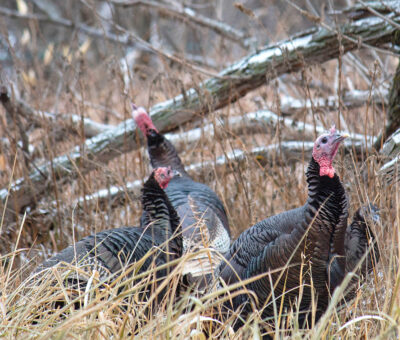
250	193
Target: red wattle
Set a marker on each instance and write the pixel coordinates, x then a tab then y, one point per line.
326	168
327	171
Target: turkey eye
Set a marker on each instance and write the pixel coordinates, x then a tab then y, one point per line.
324	140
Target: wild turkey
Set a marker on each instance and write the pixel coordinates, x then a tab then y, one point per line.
303	246
195	203
360	242
111	252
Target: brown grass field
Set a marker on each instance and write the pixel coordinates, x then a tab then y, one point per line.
88	81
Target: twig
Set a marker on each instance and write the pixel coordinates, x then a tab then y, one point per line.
186	14
97	33
370	9
153	48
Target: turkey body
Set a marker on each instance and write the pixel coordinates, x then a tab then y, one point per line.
203	217
300	247
196	203
193	201
111	252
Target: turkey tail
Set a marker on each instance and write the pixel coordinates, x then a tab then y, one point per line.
362	252
360	240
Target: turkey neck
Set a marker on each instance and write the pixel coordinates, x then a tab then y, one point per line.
327	203
160	210
163	154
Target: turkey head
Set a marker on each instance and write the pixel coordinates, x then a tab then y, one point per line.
325	149
163	175
143	121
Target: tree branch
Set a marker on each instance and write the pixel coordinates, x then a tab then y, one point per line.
14	116
39	118
262	121
126	37
186	14
350	99
361	10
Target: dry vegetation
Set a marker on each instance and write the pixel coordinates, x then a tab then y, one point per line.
63	71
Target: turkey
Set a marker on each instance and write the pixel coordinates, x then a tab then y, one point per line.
196	204
360	242
300	247
110	252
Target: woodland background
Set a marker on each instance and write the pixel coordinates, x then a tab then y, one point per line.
242	88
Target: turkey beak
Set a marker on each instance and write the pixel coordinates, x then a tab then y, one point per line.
340	137
176	173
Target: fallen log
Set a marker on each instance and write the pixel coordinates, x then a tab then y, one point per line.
350	99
